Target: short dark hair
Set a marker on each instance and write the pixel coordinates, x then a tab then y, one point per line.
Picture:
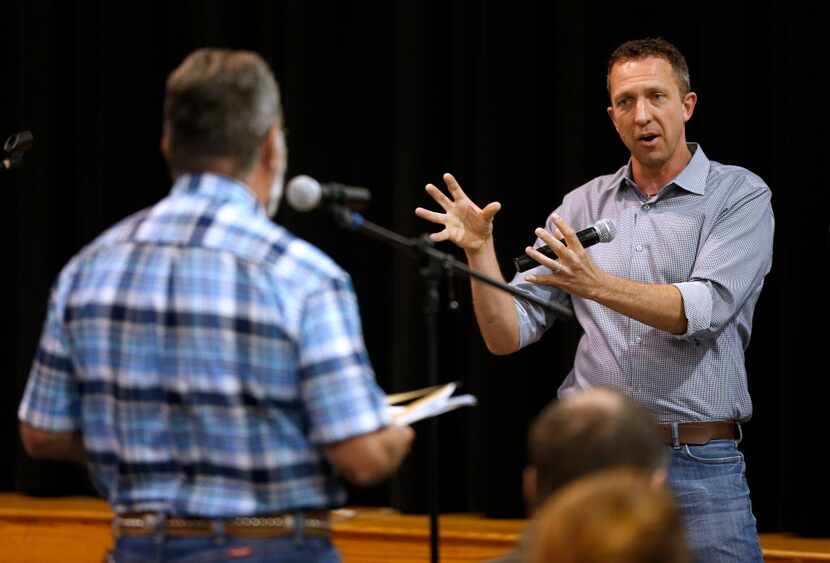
593	430
643	48
219	104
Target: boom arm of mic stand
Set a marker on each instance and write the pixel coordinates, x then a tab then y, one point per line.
438	261
355	221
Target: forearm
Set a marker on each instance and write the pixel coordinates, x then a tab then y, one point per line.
657	305
395	443
385	454
368	458
494	309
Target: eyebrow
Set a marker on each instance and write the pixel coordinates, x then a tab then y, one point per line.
648	90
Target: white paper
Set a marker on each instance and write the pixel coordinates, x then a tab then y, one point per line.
438	402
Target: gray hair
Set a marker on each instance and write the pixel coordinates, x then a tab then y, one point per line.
219	104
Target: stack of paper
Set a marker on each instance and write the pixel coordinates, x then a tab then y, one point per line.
425	403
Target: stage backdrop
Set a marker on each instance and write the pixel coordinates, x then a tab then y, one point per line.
510	97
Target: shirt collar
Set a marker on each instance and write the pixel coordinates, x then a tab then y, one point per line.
218	187
692	178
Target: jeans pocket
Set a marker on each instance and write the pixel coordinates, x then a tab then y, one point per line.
716	452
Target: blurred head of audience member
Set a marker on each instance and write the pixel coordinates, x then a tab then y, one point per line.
613	516
586	432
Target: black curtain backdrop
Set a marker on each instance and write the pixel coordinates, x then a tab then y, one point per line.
510	97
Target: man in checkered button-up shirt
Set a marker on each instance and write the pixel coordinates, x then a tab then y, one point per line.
200	358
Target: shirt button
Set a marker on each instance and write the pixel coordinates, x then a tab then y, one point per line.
638	340
647	206
639	248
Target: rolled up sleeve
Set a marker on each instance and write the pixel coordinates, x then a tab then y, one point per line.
697	305
731	264
533	319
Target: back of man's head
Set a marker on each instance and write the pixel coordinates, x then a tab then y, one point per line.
615	515
219	106
590	431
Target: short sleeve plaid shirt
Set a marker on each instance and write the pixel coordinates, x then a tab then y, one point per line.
206	355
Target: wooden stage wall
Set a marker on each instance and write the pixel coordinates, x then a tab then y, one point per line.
69	530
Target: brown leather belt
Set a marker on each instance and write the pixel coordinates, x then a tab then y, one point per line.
699	433
315	523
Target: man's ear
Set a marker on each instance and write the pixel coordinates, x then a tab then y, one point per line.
165	143
273	148
689	103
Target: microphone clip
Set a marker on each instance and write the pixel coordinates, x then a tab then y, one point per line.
345	217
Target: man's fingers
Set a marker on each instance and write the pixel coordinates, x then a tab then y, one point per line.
431	216
552	242
439	197
567	232
440	236
536	255
490	211
550	263
455	188
556	267
546	237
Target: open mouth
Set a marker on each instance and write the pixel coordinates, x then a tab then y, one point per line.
647	138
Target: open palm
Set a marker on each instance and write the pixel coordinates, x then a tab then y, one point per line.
465	223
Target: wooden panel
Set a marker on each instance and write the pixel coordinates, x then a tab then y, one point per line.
43	542
38	530
378	535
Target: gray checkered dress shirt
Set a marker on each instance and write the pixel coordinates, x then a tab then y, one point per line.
708	232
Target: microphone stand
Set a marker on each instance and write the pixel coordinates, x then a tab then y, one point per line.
436	265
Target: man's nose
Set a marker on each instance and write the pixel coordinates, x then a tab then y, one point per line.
642	113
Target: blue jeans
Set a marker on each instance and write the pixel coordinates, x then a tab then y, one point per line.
158	548
710	488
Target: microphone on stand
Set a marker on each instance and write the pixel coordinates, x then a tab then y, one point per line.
603	230
304	193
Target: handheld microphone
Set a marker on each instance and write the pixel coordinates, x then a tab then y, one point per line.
304	193
603	230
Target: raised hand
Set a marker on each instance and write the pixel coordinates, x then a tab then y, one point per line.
574	271
465	223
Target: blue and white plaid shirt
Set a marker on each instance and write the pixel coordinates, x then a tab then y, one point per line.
206	355
709	232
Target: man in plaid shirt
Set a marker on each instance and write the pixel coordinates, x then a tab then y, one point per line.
206	364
